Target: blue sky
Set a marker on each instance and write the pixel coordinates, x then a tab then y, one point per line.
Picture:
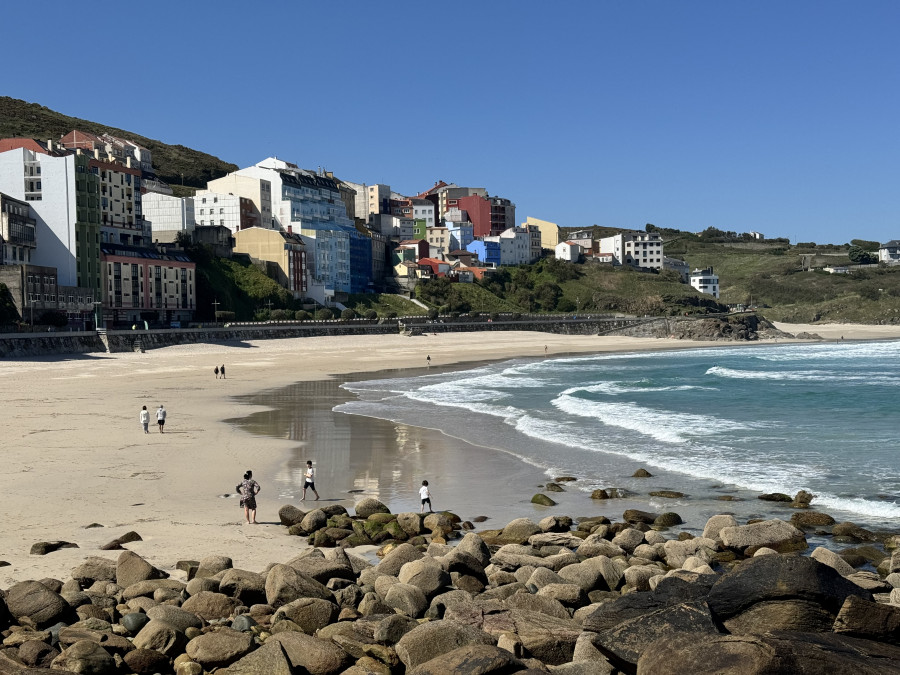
780	117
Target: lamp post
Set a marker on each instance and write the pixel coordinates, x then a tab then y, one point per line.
31	303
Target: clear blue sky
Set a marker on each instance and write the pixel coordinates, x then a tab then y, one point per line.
779	116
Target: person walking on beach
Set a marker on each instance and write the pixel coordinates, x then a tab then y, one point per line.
425	494
428	360
145	419
222	370
309	481
216	371
248	489
161	418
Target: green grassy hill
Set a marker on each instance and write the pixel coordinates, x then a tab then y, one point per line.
22	119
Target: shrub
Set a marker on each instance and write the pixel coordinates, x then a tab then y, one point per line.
391	315
302	315
371	314
262	315
324	314
224	316
348	314
432	313
281	315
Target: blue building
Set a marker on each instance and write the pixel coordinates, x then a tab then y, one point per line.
487	250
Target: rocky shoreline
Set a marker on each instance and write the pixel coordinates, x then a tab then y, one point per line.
586	597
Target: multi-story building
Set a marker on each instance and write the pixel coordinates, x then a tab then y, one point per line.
379	199
17	231
339	257
218	238
515	246
121	205
229	210
446	196
438	241
489	215
284	253
257	190
461	235
679	266
120	150
35	290
889	252
638	249
534	236
706	281
166	216
487	249
64	196
141	284
360	199
549	232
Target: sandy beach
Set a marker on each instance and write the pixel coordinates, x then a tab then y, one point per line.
76	454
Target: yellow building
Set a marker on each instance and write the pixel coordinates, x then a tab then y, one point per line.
283	251
549	232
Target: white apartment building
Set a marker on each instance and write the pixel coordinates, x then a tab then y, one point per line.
378	199
706	281
568	251
311	203
638	249
167	216
47	183
423	210
515	246
17	226
257	190
213	208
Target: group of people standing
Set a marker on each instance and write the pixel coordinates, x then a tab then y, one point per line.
160	418
219	370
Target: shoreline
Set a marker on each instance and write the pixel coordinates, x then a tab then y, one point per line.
77	455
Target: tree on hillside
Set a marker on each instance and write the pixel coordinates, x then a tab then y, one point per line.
860	256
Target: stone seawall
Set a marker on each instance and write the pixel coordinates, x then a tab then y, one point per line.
29	345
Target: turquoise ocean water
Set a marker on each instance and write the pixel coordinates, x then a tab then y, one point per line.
733	421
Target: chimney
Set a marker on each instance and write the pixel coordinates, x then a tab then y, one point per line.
290	229
50	145
128	162
96	153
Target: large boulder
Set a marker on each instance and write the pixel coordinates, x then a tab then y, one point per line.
94	569
146	661
406	599
323	570
868	620
310	654
436	638
715	524
547	638
86	657
314	520
832	559
175	616
801	653
212	565
471	660
368	505
34	600
290	515
803	582
426	574
269	659
774	534
219	649
310	614
208	605
411	523
248	587
518	531
285	584
624	643
474	545
397	558
161	637
131	568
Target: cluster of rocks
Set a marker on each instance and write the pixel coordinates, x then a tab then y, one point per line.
585	598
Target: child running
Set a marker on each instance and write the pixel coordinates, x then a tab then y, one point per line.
425	494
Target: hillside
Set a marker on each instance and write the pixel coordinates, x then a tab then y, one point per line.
22	119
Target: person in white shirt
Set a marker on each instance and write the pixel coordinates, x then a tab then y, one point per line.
426	497
145	419
161	418
309	481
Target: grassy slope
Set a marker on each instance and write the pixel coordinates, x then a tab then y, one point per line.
20	118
